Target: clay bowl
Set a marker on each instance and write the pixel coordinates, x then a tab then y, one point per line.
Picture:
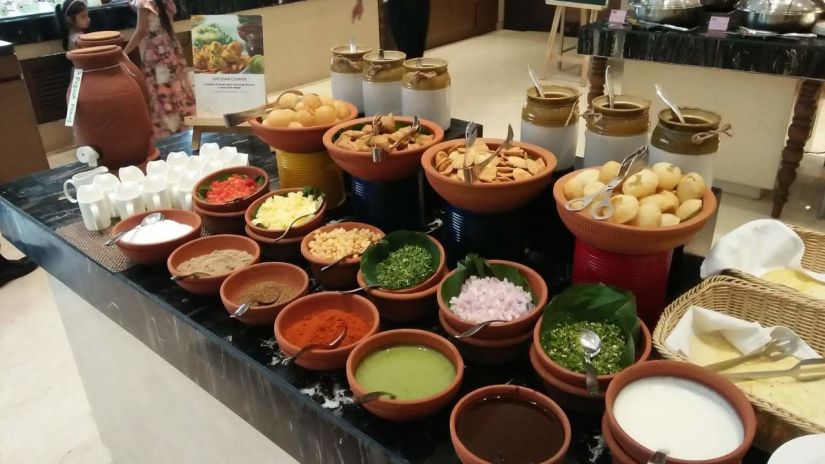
157	252
430	281
501	330
616	452
221	223
488	198
402	307
725	388
410	410
233	206
297	139
232	289
324	360
209	285
571	398
644	346
399	164
287	249
484	351
295	231
475	396
626	239
343	274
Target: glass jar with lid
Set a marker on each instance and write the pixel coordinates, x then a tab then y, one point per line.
426	90
551	122
345	69
614	133
383	72
691	145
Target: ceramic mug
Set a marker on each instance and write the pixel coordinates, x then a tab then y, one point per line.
238	159
130	174
128	199
177	158
82	178
173	176
107	184
156	193
93	208
156	168
209	151
183	191
226	154
194	164
211	166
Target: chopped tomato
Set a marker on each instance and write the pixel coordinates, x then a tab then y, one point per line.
235	187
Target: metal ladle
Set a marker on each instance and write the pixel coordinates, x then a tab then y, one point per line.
242	309
371	396
476	329
150	219
591	345
336	262
317	346
291	224
675	109
611	90
535	80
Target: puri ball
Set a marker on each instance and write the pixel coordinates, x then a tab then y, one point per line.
669	175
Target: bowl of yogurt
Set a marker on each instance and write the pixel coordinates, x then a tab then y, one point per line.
694	414
154	243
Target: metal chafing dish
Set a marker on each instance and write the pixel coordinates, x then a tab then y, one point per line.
778	15
685	13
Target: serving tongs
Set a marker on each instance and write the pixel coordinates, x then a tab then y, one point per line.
604	209
380	153
235	119
775	350
651	25
804	371
471	173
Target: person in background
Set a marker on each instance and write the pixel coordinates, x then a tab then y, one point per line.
11	269
164	66
408	21
73	19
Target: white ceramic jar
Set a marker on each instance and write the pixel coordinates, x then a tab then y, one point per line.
425	90
551	122
691	145
345	71
381	84
614	133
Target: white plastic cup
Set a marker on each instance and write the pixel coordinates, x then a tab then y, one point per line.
93	208
238	159
209	151
107	183
130	174
156	193
226	154
156	168
184	189
194	164
128	199
177	158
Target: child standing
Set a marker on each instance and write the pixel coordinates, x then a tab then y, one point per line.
73	19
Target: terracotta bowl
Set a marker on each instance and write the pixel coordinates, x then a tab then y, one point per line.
399	164
485	351
324	360
644	346
431	281
210	285
493	197
221	223
232	289
712	380
626	239
295	231
616	452
501	330
571	398
343	274
475	396
157	252
234	206
287	249
297	140
397	410
402	307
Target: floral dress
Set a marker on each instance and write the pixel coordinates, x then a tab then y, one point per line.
164	67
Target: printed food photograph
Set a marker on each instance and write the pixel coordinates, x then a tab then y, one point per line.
228	44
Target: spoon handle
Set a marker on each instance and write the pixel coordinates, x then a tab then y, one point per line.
590	377
476	329
356	290
335	263
316	346
119	236
242	309
371	396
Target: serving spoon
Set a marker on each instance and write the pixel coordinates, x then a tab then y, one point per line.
535	80
337	261
242	309
291	224
659	457
150	219
476	329
356	290
317	346
176	278
371	396
591	345
611	91
675	109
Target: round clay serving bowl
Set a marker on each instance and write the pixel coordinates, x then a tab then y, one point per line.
237	205
467	457
627	239
286	249
296	231
221	223
484	351
399	164
430	281
644	347
719	384
616	452
571	398
324	360
488	198
402	307
501	330
209	285
233	288
409	410
343	274
297	139
159	251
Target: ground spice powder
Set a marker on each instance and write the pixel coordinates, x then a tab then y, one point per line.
324	326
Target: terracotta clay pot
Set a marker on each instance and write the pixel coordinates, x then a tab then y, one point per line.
101	38
722	386
324	360
221	223
431	281
297	139
157	252
209	285
286	249
111	115
296	231
344	274
402	307
616	452
571	398
240	204
232	289
409	410
484	351
501	330
467	457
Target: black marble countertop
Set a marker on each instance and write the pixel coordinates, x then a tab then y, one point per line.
804	58
308	414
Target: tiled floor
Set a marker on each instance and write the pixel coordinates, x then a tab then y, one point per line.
44	414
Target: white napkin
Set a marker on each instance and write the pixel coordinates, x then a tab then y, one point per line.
746	337
758	247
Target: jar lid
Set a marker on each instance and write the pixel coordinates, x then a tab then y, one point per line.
390	56
553	94
345	50
668	4
778	6
623	105
425	64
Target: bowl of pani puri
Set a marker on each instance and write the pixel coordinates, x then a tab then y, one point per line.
656	209
298	122
515	177
350	144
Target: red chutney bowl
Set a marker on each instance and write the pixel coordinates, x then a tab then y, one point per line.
324	360
239	204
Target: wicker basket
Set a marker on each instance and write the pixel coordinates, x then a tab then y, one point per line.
813	259
753	302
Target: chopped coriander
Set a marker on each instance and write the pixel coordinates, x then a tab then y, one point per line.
404	268
563	346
